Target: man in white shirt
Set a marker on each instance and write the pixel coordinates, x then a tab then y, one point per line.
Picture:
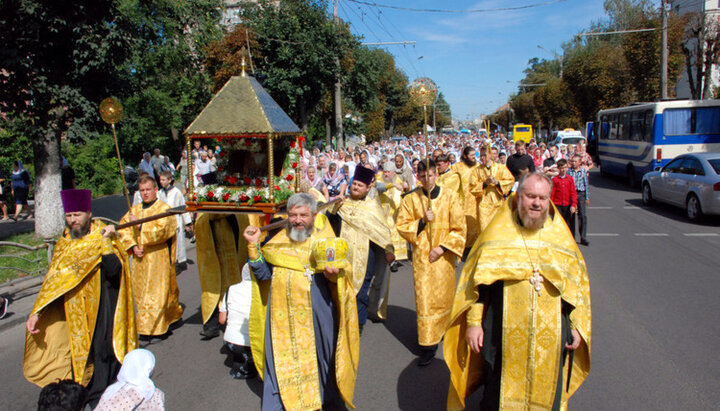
171	195
203	170
146	165
157	161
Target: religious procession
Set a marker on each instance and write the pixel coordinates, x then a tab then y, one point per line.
295	249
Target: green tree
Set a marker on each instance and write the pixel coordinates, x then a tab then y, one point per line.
443	114
59	59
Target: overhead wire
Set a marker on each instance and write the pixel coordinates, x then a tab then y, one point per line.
489	10
404	49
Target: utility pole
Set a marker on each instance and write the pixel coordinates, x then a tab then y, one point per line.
339	141
663	53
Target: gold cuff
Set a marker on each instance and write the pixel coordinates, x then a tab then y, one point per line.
475	315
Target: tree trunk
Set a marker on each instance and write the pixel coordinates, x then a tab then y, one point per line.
49	215
328	132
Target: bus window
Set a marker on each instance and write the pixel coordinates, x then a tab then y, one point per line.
637	126
623	125
708	120
677	121
612	135
649	115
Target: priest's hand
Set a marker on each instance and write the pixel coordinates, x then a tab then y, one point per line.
32	324
474	337
436	253
331	273
576	340
251	234
132	217
389	258
429	215
138	251
108	231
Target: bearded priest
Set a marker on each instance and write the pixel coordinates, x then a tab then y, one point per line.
303	321
83	320
362	221
521	315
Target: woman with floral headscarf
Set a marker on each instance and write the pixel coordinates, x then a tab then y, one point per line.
335	182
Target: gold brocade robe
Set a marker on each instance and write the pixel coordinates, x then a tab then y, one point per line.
363	221
451	179
493	196
390	200
68	304
153	276
531	328
220	256
434	282
291	322
472	192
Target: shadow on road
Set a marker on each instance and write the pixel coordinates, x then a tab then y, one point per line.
423	388
674	213
403	326
610	183
195	318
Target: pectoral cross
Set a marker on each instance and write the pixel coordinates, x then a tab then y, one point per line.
536	280
309	273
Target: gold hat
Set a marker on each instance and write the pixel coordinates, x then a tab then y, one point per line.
331	252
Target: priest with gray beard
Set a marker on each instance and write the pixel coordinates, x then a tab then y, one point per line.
301	304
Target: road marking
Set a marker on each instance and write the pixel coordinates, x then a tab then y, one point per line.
651	234
599	208
603	234
701	234
632	208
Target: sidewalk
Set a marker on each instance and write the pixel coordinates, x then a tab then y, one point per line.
113	207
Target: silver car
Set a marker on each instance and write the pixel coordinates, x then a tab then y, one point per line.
691	181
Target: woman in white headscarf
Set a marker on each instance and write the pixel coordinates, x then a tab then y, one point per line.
134	390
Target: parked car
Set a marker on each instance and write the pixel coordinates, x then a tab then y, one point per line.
691	181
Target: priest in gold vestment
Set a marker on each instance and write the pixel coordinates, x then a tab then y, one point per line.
495	183
83	321
152	247
303	323
221	253
472	193
390	188
436	232
361	221
521	316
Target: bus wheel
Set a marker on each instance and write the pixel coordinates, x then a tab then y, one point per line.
631	178
647	198
693	210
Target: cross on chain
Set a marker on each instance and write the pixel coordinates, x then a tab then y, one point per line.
309	273
536	280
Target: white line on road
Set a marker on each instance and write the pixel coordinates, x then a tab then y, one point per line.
701	234
599	208
632	208
651	234
603	234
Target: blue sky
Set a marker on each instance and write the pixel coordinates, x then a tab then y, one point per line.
476	59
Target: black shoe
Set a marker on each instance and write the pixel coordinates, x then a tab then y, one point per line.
4	306
394	267
426	357
584	242
157	338
376	319
179	267
360	328
210	334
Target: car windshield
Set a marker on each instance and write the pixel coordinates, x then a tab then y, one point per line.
715	164
572	140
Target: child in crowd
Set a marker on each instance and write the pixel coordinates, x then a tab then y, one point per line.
564	193
66	395
235	313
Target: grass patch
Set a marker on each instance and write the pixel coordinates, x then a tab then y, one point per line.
12	259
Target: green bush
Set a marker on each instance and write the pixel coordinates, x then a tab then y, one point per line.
95	164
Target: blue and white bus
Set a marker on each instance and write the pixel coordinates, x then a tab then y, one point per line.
635	139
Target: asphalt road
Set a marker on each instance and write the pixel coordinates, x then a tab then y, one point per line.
653	279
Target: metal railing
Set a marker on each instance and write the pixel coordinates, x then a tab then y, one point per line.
45	247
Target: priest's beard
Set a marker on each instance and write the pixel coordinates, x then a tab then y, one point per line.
532	223
299	233
79	230
468	161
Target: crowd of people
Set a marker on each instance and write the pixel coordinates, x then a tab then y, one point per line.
360	213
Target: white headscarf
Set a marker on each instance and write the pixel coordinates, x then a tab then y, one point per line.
135	372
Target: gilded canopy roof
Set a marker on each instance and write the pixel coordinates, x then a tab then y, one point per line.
241	107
